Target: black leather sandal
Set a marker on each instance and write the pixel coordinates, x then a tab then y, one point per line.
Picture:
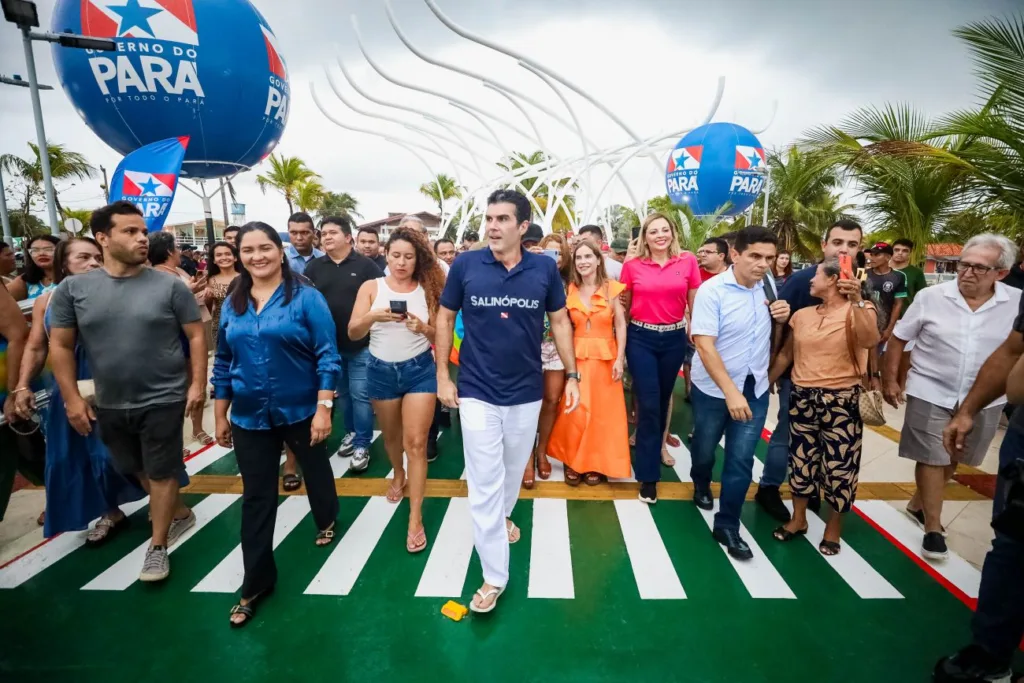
784	535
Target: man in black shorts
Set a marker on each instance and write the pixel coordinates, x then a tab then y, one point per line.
890	288
132	322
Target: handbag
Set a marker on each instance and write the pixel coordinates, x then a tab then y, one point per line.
871	404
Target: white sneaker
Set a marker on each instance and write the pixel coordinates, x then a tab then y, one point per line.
180	526
345	448
360	459
156	566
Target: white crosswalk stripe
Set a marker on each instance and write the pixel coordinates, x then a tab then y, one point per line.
854	569
227	576
450	552
655	576
758	575
550	558
125	572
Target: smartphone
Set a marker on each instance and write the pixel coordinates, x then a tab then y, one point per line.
635	232
553	253
845	267
399	308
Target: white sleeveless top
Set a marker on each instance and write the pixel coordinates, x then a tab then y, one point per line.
393	342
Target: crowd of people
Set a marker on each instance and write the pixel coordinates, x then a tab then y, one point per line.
548	333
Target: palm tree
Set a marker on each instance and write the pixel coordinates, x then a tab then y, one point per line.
64	165
565	216
882	149
309	196
335	203
993	149
441	189
803	200
83	215
693	230
286	175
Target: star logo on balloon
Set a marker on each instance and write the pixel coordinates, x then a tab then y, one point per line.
749	158
134	15
150	186
141	184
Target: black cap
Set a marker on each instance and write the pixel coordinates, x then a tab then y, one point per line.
881	248
534	233
470	236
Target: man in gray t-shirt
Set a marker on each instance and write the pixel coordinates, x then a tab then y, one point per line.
133	324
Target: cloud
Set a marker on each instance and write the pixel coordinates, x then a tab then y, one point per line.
654	63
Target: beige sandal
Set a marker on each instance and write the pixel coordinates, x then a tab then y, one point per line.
203	438
484	595
396	494
666	458
514	533
417	542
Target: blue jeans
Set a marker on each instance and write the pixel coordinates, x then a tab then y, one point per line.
712	421
354	398
776	461
998	624
655	359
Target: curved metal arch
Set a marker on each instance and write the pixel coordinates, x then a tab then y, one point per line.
416	88
480	40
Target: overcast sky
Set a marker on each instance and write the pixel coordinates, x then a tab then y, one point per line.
655	63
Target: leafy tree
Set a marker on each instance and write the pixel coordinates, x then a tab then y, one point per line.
286	175
339	203
83	215
441	189
65	165
26	225
309	196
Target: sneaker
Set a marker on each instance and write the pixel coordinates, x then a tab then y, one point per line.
934	546
649	492
970	665
180	526
345	447
156	566
360	459
918	517
770	500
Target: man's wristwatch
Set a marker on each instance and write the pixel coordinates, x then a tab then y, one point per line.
326	403
573	375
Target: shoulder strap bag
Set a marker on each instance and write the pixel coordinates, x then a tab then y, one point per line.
871	402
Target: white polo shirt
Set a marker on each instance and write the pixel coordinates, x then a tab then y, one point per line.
952	342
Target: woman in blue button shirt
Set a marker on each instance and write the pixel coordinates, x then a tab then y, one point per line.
276	366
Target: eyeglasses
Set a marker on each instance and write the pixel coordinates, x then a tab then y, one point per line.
705	252
976	267
41	250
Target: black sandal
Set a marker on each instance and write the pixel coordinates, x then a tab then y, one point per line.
247	609
324	534
291	482
784	535
829	548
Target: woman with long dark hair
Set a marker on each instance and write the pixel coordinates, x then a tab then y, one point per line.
222	268
81	481
782	268
38	276
276	368
398	312
554	375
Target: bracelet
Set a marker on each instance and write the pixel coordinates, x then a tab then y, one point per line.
20	389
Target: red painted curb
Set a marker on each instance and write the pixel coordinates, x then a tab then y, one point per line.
47	540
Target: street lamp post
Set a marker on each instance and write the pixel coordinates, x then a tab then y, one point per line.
4	218
23	13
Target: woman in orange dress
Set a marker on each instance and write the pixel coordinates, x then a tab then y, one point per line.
595	439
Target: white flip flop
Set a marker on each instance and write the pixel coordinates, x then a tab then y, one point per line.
496	592
513	529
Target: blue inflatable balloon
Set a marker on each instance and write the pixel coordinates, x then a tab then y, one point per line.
208	69
715	165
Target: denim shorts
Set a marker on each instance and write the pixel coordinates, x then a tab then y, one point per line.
387	381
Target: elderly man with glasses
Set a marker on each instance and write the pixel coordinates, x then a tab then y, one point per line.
954	326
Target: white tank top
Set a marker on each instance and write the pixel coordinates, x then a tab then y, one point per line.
393	342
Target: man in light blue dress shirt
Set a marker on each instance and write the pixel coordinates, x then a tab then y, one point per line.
300	250
732	330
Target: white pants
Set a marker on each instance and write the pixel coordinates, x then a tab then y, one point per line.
498	441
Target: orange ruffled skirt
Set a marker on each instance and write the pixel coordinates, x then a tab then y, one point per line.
595	436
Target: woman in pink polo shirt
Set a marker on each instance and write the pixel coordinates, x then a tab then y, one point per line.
660	285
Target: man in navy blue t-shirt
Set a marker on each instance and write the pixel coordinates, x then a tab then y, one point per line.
503	292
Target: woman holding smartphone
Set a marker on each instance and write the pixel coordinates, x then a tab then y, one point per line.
398	312
276	368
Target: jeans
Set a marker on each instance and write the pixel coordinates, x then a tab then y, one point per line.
654	361
998	624
776	460
258	453
354	397
741	438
